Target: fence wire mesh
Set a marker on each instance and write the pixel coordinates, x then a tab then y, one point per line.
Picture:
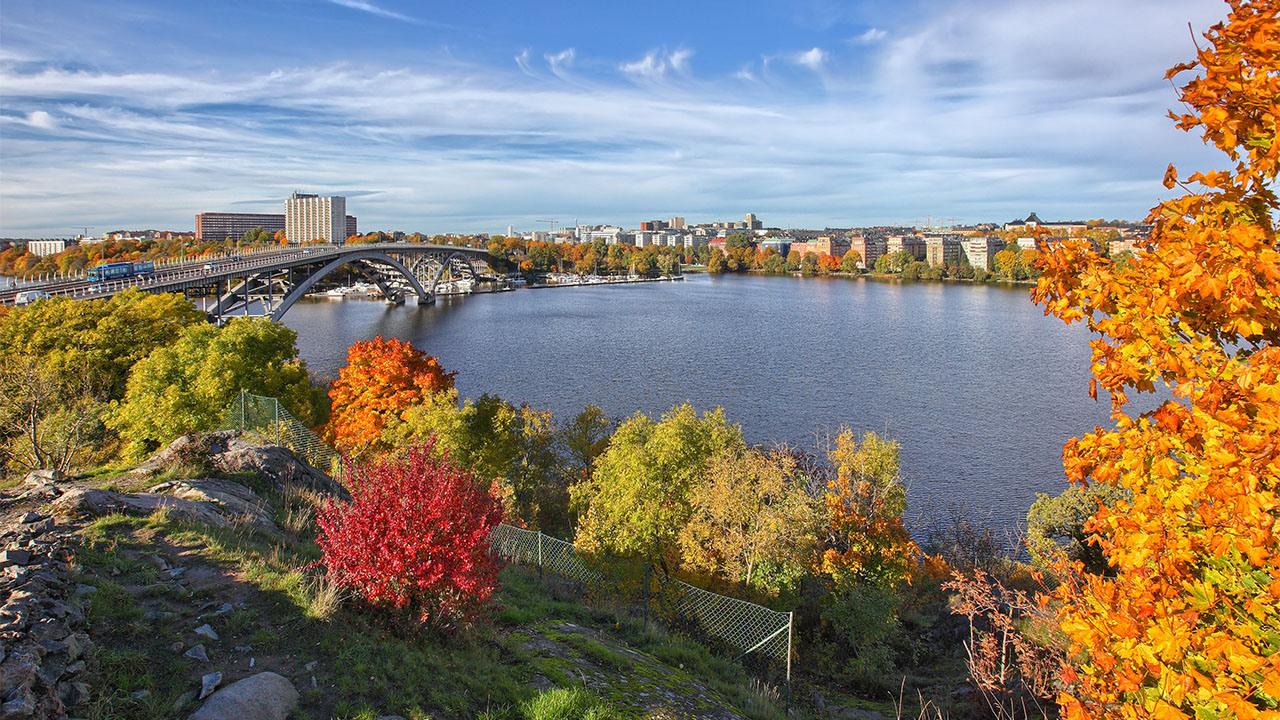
744	627
266	417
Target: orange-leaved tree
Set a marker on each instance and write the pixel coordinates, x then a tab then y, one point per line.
1189	625
382	379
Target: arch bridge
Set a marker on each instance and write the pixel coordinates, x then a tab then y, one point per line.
269	282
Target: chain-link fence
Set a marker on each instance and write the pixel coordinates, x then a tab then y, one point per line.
742	627
266	417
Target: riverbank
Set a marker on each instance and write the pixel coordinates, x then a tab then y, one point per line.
595	280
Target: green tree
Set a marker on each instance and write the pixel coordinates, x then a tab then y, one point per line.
752	522
187	385
809	264
716	262
849	263
1055	526
738	241
884	264
637	501
104	338
793	260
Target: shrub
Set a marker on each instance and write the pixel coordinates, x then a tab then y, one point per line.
414	538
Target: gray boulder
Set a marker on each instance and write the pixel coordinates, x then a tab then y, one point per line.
227	452
91	502
231	499
265	696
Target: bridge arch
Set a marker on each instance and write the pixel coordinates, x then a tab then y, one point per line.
444	265
367	256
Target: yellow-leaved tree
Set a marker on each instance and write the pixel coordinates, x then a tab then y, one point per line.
1189	625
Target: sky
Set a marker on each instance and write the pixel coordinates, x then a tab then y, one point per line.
469	116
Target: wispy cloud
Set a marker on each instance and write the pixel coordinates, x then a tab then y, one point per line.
871	36
560	63
372	9
656	64
813	58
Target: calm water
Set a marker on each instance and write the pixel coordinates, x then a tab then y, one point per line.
979	387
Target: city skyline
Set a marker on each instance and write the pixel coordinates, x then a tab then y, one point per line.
461	118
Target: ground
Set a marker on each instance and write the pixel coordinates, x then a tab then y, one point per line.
540	651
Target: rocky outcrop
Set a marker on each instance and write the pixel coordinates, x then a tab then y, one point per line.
227	452
42	640
265	696
231	500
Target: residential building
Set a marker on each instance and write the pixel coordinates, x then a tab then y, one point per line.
913	244
46	247
869	248
835	246
751	223
981	251
780	245
943	250
677	223
315	218
218	226
351	226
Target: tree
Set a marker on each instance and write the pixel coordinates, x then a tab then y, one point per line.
414	538
1186	626
188	385
715	262
793	260
809	264
381	380
884	264
48	420
850	262
637	500
738	241
1056	527
752	523
510	446
104	338
827	264
867	541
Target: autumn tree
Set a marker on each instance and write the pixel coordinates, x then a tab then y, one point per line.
187	386
850	262
381	380
752	523
637	500
1186	626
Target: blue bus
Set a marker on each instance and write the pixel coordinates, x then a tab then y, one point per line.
120	270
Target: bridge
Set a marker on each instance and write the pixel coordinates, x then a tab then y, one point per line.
274	280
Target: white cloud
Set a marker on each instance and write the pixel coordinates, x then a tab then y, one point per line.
561	62
656	64
41	119
871	36
372	9
813	58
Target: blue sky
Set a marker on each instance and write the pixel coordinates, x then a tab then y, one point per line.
470	116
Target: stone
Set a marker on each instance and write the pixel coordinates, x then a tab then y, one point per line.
77	645
209	683
184	700
206	630
309	666
175	572
30	517
197	653
264	696
252	662
223	609
81	502
22	705
15	557
140	694
83	590
234	501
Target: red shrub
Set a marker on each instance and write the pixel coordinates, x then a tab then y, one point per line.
415	537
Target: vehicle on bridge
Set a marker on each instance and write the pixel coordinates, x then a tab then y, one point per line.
26	297
120	270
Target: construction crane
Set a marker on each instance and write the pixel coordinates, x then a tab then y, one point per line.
552	223
86	229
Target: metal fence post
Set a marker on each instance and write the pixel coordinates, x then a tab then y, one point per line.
539	554
242	394
791	616
277	401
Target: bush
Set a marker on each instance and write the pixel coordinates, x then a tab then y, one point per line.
414	538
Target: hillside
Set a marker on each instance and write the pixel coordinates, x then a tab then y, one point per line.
127	592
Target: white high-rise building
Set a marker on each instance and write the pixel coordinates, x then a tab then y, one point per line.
311	218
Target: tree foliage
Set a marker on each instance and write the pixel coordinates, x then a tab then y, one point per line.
187	385
752	523
637	500
382	379
1186	627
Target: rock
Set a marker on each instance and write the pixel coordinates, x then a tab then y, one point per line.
197	653
309	666
175	572
209	683
252	662
140	694
228	453
91	502
265	696
23	705
235	501
44	476
15	557
223	609
30	517
82	590
184	700
206	630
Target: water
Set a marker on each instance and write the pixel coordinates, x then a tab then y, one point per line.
976	383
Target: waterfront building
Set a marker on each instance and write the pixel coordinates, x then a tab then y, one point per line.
913	244
835	246
43	248
780	245
315	218
869	248
219	226
981	251
943	250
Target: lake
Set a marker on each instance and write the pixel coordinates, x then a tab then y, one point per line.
980	388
